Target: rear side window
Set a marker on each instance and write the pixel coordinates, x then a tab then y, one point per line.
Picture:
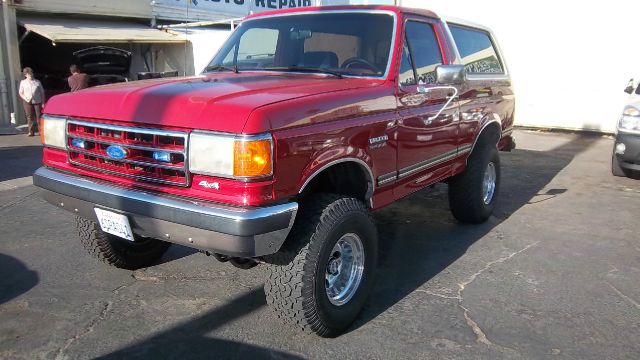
478	53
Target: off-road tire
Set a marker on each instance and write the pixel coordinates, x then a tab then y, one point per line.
295	284
616	169
119	252
465	189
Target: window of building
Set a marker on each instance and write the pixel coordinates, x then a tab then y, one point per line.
478	53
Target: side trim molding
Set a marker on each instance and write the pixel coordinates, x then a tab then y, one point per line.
410	170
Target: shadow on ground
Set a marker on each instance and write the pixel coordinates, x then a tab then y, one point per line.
415	246
189	340
15	278
19	161
176	252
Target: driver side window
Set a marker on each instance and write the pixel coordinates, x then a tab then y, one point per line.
422	54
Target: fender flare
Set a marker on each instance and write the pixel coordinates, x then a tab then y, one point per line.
488	122
361	163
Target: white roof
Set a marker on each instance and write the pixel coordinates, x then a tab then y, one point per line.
65	30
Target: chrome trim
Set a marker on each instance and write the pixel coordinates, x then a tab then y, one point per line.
450	99
412	169
137	147
241	137
236	231
392	46
464	149
134	162
338	161
131	129
387	178
200	207
145	178
136	129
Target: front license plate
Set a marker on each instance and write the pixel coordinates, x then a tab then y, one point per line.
115	224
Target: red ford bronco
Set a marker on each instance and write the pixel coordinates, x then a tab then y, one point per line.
304	122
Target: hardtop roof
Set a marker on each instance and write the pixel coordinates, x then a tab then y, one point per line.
395	9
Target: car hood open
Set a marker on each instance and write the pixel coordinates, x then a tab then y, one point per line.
103	60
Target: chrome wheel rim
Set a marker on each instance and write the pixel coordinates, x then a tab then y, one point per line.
344	269
489	183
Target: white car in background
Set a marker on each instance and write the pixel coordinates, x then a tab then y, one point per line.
625	160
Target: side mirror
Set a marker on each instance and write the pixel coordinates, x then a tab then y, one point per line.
450	74
629	88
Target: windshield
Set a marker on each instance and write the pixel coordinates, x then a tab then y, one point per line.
355	43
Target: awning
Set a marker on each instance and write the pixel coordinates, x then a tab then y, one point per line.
65	30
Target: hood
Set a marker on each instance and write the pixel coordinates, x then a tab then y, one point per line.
216	102
103	60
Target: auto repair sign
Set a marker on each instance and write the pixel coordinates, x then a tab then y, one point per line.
237	7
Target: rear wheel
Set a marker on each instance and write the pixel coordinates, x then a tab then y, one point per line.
116	251
321	278
474	192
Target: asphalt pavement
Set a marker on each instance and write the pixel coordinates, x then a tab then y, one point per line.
553	275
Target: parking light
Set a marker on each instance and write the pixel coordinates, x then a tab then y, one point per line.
162	156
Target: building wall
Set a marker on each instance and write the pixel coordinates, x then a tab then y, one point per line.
569	61
124	8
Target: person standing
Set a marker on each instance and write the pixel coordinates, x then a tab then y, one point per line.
78	80
32	94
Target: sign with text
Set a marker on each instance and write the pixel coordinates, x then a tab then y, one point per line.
196	10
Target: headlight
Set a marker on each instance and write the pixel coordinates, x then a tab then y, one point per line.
631	111
230	156
52	131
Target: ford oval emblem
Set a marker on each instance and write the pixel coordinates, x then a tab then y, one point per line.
116	152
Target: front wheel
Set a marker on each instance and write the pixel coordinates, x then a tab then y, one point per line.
474	192
320	279
116	251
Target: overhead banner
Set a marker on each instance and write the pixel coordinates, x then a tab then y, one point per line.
201	10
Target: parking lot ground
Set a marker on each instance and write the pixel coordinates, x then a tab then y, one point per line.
553	275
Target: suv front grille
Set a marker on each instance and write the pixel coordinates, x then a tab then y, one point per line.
138	146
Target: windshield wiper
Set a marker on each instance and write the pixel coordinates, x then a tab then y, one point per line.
233	68
305	69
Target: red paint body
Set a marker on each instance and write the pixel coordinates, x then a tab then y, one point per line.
315	119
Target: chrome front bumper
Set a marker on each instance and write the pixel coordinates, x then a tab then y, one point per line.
246	232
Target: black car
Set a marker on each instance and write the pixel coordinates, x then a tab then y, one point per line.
625	160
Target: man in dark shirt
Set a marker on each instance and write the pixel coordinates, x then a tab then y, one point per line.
78	80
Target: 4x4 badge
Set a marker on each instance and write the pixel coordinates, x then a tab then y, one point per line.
209	185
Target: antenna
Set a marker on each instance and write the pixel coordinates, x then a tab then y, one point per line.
186	32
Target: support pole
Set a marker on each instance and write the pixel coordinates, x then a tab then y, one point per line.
11	52
5	108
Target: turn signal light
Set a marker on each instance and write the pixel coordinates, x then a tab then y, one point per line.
41	130
252	158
